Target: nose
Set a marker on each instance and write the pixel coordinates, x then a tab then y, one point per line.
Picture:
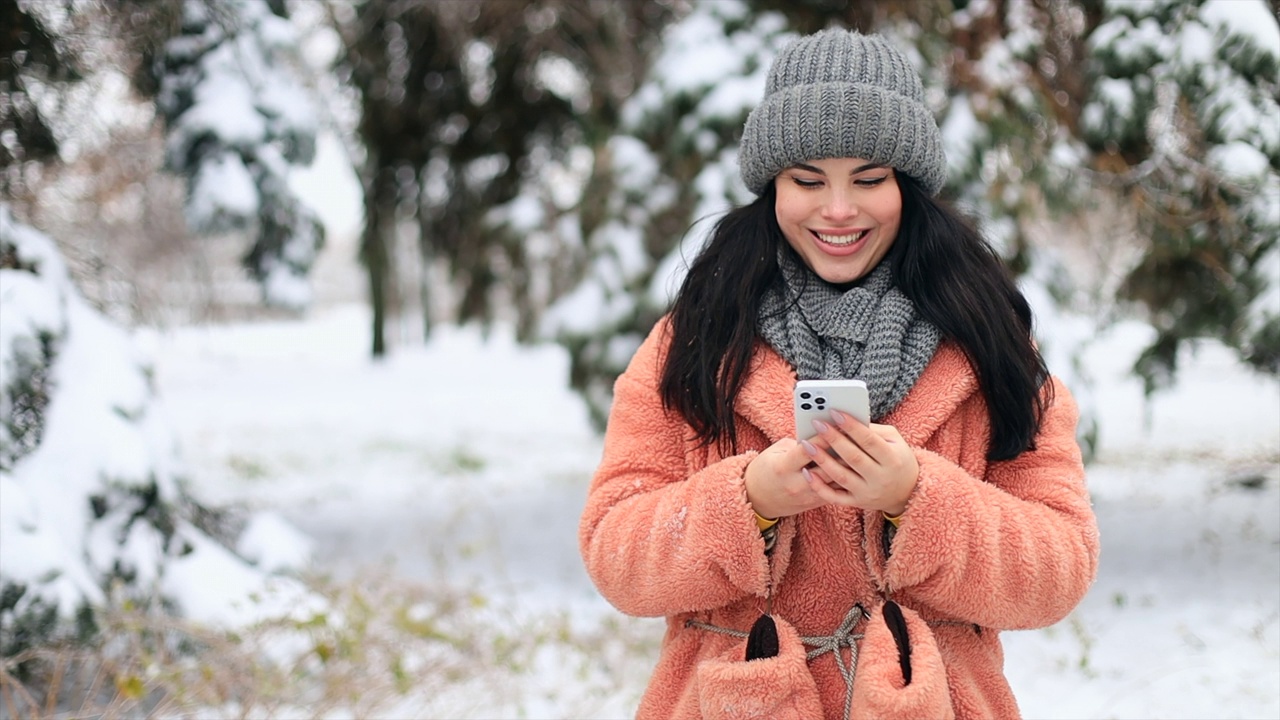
840	205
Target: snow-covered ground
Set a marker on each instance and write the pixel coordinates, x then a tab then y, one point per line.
465	463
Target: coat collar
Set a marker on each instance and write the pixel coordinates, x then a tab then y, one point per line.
765	399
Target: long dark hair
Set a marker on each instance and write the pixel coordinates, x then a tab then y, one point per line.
939	260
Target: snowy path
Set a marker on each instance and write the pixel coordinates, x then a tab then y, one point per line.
466	463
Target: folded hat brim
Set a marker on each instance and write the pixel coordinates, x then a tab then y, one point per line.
841	119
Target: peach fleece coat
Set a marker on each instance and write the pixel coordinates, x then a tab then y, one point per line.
983	547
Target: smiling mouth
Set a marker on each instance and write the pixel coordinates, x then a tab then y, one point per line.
840	240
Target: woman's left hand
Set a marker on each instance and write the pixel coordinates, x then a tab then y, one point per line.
876	468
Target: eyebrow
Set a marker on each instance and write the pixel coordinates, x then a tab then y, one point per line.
855	171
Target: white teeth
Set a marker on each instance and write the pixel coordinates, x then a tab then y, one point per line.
841	239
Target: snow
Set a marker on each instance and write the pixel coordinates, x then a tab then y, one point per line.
1194	45
1117	94
1133	44
724	76
223	194
215	587
465	463
33	550
74	508
240	117
693	102
998	67
330	188
283	285
671	271
271	543
733	96
1239	160
626	244
1197	60
524	214
961	132
1241	119
224	104
30	309
636	167
692	60
588	307
562	77
1250	19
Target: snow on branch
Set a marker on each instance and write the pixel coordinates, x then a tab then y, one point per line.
239	122
92	506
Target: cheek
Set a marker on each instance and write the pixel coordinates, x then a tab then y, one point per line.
789	212
782	206
889	213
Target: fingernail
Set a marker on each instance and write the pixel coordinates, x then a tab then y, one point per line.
807	475
838	417
809	448
821	426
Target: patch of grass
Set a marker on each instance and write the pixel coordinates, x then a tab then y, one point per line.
379	647
461	461
456	460
247	468
1087	642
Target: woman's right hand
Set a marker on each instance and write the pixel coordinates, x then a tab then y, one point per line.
776	485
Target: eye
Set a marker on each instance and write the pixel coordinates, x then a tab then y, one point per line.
806	183
871	181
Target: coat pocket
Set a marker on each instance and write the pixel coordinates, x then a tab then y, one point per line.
902	676
732	688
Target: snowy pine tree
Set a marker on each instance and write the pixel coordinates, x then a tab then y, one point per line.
1185	118
238	122
671	166
1007	81
92	508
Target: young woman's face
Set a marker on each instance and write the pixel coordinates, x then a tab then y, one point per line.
841	215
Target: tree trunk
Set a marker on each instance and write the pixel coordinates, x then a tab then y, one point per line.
379	209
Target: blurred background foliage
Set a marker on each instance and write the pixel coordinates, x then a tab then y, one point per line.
552	164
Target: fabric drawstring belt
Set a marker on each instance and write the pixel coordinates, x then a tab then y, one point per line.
843	637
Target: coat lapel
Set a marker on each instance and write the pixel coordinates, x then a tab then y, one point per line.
946	382
765	398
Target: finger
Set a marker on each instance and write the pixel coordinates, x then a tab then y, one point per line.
825	491
818	452
825	478
867	437
795	456
822	444
835	473
853	454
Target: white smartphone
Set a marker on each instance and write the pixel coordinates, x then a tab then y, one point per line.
815	399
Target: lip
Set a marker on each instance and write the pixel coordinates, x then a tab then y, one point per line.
840	250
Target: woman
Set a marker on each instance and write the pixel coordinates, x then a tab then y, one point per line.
874	566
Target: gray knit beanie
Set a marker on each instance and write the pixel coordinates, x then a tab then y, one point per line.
838	93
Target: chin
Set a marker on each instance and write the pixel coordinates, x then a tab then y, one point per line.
842	276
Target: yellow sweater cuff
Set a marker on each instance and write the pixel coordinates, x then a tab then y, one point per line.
764	523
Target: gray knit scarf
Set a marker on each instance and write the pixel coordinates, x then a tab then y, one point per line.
869	332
